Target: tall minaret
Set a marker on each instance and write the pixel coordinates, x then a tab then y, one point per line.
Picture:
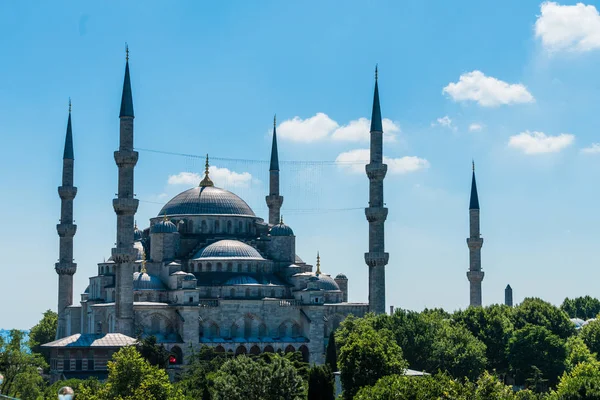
376	213
274	200
125	207
508	296
475	241
65	267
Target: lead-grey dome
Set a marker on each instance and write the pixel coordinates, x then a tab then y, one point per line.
206	200
281	229
229	249
322	282
144	281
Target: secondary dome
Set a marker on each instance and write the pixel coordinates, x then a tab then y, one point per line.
281	229
206	200
164	226
144	281
229	249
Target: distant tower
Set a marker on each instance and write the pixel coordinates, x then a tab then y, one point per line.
125	207
65	267
376	213
274	200
475	274
508	298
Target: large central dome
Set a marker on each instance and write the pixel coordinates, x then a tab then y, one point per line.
207	200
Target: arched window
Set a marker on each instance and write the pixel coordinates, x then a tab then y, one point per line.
229	227
269	349
255	350
235	332
220	349
199	267
262	330
203	228
290	349
240	227
283	330
176	356
229	267
295	330
208	267
247	327
305	353
101	270
214	330
239	267
217	227
240	350
219	267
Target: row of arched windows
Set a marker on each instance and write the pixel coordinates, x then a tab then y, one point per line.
241	292
286	329
228	267
107	269
217	226
256	350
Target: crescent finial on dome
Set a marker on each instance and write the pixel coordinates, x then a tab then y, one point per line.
206	181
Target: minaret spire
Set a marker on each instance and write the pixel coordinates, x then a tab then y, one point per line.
475	242
65	267
376	213
125	207
274	200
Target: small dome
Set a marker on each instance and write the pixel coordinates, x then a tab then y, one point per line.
229	249
137	234
323	282
207	200
164	226
241	280
144	281
341	276
189	277
281	229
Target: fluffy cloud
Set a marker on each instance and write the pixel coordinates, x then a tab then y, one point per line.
568	28
593	149
307	130
445	122
539	142
355	161
223	176
486	90
321	127
475	127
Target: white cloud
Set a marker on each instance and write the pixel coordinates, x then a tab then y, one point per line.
593	149
355	161
568	28
222	177
358	131
539	142
486	90
475	127
307	130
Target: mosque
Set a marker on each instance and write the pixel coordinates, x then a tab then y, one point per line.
207	271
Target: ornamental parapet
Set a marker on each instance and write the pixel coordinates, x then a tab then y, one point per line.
376	171
274	200
126	158
67	192
376	259
125	206
474	243
66	230
65	268
475	276
124	255
376	214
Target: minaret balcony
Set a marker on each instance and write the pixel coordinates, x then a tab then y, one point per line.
376	214
124	255
376	171
66	229
125	206
126	158
67	192
274	200
376	259
475	276
65	268
475	243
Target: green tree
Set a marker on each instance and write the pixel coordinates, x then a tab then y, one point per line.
331	353
539	312
90	384
590	333
43	332
488	387
583	382
585	307
457	351
242	378
321	385
197	379
577	352
366	356
154	353
536	346
20	368
399	387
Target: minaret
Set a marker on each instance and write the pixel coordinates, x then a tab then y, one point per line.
65	267
508	298
376	213
274	200
125	207
475	274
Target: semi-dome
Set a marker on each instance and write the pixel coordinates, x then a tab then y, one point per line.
229	249
208	200
144	281
281	229
341	276
164	226
322	282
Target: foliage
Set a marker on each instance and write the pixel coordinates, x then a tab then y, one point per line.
91	384
583	382
20	368
493	326
488	387
399	387
536	346
154	353
539	312
242	378
367	355
590	333
321	384
585	307
331	353
577	352
197	378
43	332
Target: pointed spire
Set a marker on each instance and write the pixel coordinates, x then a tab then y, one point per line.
274	154
318	264
126	98
206	181
376	125
68	153
474	203
281	220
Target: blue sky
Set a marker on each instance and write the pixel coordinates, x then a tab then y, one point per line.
512	84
